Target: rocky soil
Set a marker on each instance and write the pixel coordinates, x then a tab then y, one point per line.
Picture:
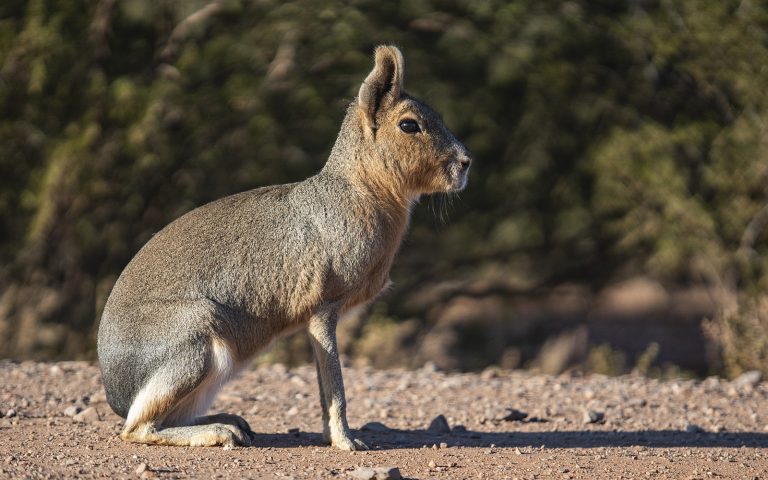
499	424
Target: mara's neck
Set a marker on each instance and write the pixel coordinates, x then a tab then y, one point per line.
354	158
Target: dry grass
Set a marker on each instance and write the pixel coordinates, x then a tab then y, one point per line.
740	330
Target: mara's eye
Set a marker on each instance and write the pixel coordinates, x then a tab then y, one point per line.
409	126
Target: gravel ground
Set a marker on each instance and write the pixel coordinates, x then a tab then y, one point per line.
56	424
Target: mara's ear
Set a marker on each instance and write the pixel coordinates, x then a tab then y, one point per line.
382	87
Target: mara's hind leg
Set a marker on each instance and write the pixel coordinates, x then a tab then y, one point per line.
209	435
166	410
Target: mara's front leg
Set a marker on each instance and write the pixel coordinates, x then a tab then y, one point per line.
322	334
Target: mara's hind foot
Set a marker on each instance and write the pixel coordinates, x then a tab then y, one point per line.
208	435
228	419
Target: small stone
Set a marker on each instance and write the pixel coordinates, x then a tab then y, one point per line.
513	415
143	467
430	367
9	459
489	373
10	413
439	426
750	378
87	416
506	414
70	462
693	428
377	473
375	427
443	445
71	410
388	473
592	416
292	411
99	396
432	464
363	473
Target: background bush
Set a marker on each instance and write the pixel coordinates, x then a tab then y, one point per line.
613	141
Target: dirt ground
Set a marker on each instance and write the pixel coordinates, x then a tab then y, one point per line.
650	429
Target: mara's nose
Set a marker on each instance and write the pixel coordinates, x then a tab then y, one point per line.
465	162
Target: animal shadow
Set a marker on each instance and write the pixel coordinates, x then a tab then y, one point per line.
380	437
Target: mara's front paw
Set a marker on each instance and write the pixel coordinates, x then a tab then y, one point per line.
349	444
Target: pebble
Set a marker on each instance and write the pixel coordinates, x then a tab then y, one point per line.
143	467
10	413
430	367
750	378
592	416
376	473
439	426
693	428
432	464
443	445
506	414
375	427
88	415
99	396
71	410
513	415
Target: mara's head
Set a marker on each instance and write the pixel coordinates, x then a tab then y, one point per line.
408	140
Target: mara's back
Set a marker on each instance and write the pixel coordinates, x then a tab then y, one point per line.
218	251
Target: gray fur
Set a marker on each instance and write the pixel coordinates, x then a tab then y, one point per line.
248	268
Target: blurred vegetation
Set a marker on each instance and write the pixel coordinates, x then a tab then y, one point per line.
613	139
